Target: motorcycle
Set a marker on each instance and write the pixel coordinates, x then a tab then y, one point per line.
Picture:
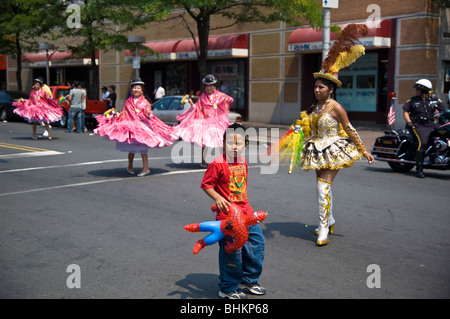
398	147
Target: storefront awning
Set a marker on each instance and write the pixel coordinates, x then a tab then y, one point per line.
309	39
221	46
55	58
165	50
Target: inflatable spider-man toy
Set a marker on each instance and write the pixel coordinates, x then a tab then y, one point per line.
236	225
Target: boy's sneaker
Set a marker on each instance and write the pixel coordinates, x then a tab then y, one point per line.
255	289
233	295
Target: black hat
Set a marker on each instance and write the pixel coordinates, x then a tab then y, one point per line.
136	80
209	79
39	79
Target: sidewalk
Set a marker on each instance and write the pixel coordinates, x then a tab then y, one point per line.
368	131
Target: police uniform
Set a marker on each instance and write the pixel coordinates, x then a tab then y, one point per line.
421	114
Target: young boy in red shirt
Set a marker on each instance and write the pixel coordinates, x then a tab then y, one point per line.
225	181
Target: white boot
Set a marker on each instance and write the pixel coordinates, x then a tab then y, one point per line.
331	219
324	201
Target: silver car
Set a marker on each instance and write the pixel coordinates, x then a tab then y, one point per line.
169	107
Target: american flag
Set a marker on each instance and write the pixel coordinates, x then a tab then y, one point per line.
391	114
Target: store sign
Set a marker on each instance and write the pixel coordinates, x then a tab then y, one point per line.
366	42
225	71
215	53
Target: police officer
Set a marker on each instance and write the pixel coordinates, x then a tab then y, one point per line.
419	116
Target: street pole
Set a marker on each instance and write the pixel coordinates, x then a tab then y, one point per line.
327	5
326	17
137	59
46	47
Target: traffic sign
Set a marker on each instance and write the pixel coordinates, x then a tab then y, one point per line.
330	4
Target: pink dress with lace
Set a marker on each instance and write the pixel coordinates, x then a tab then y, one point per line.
205	123
135	128
39	108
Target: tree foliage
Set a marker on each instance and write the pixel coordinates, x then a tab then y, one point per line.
443	4
21	23
202	12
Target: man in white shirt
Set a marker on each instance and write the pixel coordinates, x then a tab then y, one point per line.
159	92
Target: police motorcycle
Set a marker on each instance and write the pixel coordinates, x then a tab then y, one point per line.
398	147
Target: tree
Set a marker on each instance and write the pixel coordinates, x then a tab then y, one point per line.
21	23
240	11
103	25
443	4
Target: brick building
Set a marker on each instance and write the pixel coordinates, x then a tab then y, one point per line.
268	68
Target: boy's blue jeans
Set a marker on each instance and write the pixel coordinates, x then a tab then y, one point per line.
242	265
75	112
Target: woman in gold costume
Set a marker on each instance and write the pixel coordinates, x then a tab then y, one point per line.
334	143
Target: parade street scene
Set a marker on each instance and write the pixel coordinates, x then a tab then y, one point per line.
190	153
70	201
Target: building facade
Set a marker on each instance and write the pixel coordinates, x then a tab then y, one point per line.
268	68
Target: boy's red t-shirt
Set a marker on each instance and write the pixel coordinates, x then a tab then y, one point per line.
226	178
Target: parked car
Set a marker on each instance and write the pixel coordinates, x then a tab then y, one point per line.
6	100
93	107
169	107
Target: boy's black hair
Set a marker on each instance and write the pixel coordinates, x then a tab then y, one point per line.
238	129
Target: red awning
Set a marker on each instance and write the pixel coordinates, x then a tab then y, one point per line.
228	45
165	50
231	45
61	58
309	39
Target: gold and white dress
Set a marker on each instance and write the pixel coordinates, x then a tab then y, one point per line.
329	147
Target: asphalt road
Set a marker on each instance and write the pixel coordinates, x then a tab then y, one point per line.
74	224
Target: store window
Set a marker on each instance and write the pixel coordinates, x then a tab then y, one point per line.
176	79
447	79
359	85
230	76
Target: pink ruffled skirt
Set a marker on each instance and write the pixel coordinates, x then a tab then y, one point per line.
41	112
207	132
151	133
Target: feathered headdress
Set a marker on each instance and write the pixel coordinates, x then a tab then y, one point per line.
343	53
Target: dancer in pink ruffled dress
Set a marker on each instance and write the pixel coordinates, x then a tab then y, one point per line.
135	128
206	121
39	108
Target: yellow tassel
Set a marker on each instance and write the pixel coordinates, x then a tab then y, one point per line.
305	124
346	58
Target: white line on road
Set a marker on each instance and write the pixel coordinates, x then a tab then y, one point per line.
31	154
96	182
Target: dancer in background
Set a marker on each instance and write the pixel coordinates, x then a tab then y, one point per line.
135	129
39	108
206	121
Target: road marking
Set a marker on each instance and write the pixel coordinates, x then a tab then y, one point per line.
107	181
96	182
22	147
35	153
32	151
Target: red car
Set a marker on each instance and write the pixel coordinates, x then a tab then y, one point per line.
93	107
